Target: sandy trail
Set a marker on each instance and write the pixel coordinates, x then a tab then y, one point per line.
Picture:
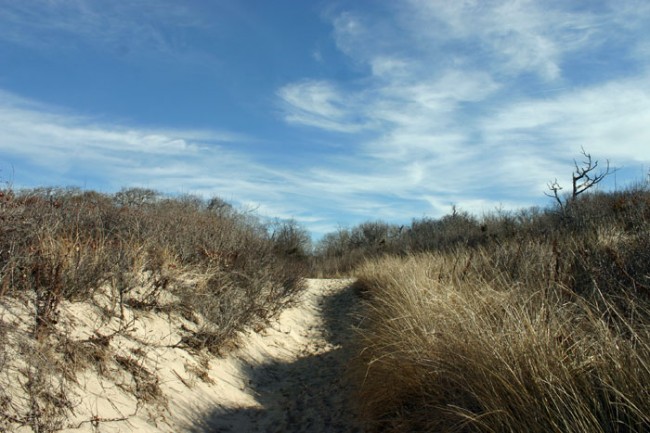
294	373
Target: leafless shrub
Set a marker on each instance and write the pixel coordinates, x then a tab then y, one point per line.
135	247
338	253
5	397
230	301
135	197
626	210
46	391
584	178
64	244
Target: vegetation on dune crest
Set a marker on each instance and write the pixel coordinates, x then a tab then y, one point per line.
221	268
537	321
65	244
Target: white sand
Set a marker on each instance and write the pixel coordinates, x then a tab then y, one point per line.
288	378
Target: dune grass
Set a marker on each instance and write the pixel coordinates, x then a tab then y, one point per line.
531	334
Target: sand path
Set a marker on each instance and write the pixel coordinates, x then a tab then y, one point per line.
292	376
289	377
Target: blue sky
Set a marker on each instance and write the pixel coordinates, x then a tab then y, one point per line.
328	112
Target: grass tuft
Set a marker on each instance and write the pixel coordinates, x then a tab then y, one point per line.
546	336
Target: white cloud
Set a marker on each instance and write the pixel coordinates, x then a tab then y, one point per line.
348	30
389	67
469	102
510	36
319	104
318	98
60	142
608	119
141	28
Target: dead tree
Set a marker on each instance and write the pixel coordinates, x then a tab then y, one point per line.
584	177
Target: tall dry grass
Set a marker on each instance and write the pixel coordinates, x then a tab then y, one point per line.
528	335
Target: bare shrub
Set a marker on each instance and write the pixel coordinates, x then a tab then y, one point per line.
137	248
45	390
64	244
628	211
583	179
5	396
337	254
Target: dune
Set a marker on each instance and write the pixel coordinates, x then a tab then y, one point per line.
288	377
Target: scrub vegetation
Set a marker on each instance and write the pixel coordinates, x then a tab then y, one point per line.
535	321
135	250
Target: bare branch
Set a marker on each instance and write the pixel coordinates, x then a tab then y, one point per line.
585	177
555	188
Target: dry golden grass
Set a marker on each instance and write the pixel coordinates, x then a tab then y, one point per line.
518	337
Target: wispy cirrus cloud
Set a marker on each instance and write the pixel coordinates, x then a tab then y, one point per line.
481	103
143	27
59	142
609	119
54	146
510	36
320	104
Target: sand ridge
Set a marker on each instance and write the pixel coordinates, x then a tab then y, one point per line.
289	377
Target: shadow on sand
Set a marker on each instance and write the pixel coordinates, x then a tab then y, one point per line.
310	394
